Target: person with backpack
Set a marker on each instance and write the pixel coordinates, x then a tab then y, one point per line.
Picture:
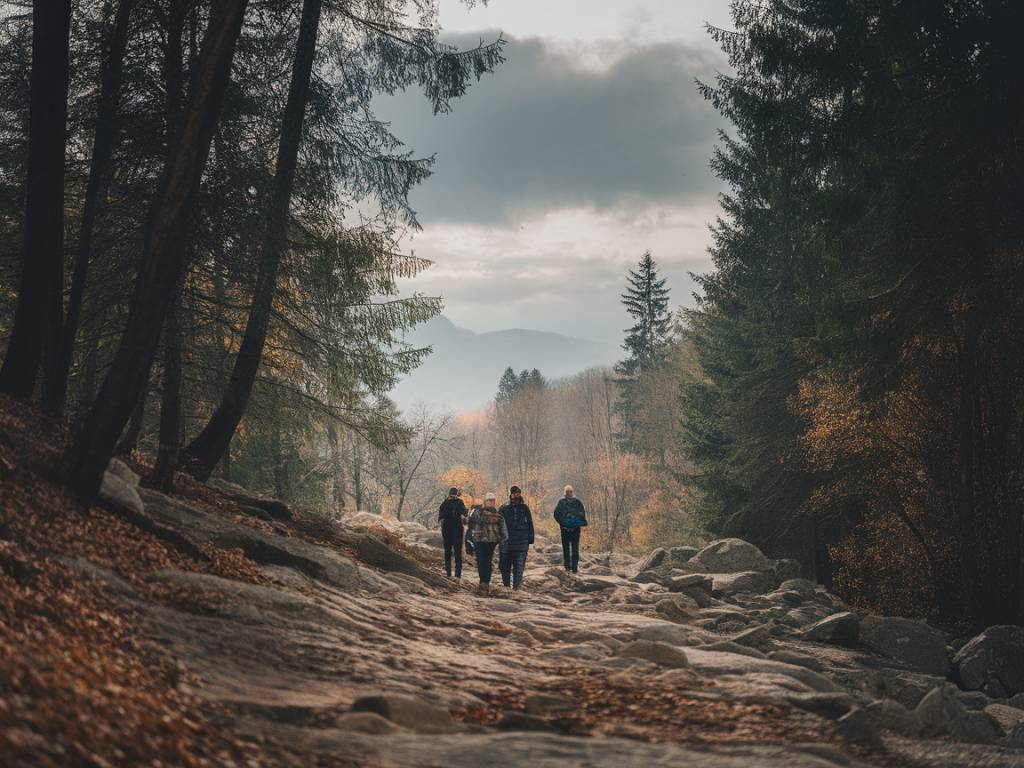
571	518
485	532
451	515
519	523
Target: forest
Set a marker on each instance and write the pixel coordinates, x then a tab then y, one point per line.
203	273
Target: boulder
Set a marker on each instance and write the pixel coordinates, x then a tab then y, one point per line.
994	656
682	554
890	715
792	657
365	722
662	654
907	688
276	509
653	560
920	647
858	727
941	713
677	609
118	496
688	581
1009	719
804	587
756	637
839	628
731	556
408	712
122	470
756	582
787	569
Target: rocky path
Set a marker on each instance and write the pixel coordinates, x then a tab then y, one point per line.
354	652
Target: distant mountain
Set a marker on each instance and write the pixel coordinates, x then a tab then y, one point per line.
463	371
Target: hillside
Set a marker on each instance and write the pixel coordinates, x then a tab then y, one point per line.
462	372
236	631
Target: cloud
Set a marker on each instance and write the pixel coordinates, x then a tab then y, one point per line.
607	126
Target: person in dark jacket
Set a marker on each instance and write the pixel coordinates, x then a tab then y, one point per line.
486	530
451	515
519	522
571	517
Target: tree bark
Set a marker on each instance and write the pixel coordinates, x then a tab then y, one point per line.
164	254
104	140
206	449
35	336
170	405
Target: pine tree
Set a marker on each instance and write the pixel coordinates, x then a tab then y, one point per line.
646	301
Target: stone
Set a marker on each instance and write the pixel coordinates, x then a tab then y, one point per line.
756	582
653	560
941	713
908	688
118	496
122	470
699	595
365	722
727	646
1016	701
519	721
920	647
787	569
1009	719
831	706
664	632
858	727
792	657
804	587
408	712
275	508
756	637
890	715
996	655
677	609
689	581
839	628
682	554
731	556
662	654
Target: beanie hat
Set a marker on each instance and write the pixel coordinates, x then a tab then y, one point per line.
453	491
490	496
514	490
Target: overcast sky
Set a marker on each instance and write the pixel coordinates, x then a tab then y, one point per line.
588	146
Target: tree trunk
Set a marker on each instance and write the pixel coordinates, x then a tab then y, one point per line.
170	405
35	336
164	252
169	443
103	143
130	440
206	449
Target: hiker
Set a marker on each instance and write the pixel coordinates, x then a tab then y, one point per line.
486	530
571	517
451	514
519	523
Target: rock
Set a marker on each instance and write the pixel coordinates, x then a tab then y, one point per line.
792	657
994	656
787	569
804	587
408	712
699	595
890	715
662	654
831	706
595	583
118	496
122	470
663	632
756	637
941	713
682	554
787	598
1009	719
908	688
839	628
689	581
653	560
1016	701
716	664
920	647
727	646
858	727
731	556
275	508
677	609
365	722
756	582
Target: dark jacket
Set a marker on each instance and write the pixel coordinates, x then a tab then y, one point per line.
569	513
519	522
486	526
451	513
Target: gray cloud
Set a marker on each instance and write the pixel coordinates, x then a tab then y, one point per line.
544	133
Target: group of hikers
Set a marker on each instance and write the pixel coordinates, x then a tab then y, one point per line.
508	530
